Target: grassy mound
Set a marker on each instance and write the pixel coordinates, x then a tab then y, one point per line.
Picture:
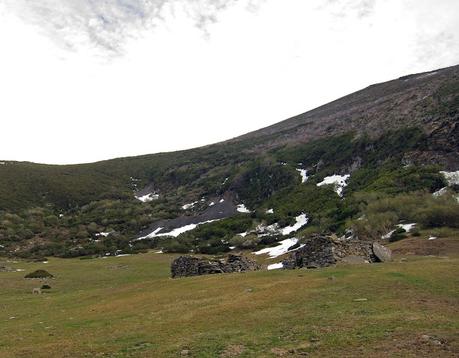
39	274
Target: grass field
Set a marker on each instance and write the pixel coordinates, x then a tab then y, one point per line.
129	307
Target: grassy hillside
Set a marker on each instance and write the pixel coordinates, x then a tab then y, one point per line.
377	169
392	139
129	307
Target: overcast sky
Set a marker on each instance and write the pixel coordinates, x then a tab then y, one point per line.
85	80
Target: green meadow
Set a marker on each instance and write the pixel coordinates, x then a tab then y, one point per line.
129	307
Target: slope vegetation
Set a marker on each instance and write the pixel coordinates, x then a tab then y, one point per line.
378	144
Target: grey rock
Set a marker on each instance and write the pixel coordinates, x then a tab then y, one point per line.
383	253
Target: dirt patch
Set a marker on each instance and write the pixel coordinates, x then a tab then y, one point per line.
423	247
233	350
425	345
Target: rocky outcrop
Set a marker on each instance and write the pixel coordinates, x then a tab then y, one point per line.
185	266
323	251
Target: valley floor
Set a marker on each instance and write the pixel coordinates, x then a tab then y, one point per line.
129	307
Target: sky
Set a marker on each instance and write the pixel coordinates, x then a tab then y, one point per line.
87	80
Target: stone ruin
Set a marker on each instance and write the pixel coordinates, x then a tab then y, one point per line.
185	266
323	251
318	251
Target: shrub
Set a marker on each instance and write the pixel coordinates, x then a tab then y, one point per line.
439	215
39	274
380	214
398	235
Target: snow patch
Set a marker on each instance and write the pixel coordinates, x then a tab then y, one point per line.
242	209
103	234
279	250
339	181
301	220
148	197
277	266
2	163
432	238
407	227
189	206
440	192
175	232
304	175
388	235
269	211
451	177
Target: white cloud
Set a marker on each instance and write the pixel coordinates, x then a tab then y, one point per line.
169	87
107	24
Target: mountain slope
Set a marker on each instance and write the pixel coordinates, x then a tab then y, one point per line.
388	140
429	100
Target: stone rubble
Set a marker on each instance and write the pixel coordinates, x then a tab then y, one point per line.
185	266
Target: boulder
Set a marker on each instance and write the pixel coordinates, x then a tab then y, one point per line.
382	253
185	266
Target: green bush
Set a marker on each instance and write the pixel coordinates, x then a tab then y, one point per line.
380	213
39	274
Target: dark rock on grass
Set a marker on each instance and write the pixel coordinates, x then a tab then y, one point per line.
39	274
185	266
45	287
381	252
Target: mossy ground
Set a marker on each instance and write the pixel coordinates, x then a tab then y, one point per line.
129	307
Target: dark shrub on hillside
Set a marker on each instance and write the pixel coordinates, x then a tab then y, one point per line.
439	215
39	274
261	181
45	287
398	235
